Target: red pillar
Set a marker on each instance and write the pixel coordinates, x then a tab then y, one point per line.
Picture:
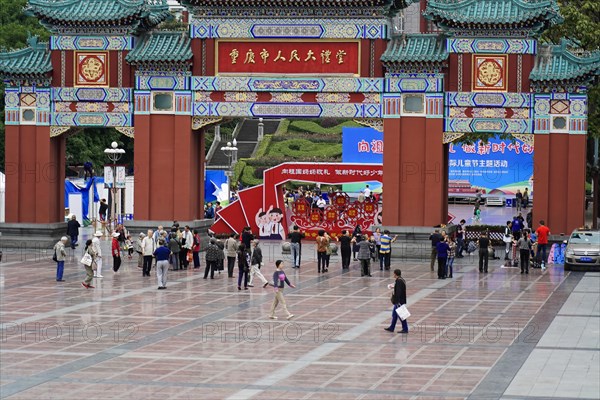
35	170
414	172
559	181
169	168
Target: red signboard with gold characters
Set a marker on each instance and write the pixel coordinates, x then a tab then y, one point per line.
288	57
91	69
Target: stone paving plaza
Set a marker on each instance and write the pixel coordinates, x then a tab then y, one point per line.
478	336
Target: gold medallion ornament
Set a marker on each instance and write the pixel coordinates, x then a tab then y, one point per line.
92	69
490	73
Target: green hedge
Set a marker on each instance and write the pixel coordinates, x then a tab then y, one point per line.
238	169
248	178
283	127
272	161
313	127
263	146
313	137
303	148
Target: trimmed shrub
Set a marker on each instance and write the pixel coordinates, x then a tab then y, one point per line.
249	178
313	137
313	127
263	146
283	127
302	148
238	169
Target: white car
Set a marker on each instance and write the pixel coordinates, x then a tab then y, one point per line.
583	251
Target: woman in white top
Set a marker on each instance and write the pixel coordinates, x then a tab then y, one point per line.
148	247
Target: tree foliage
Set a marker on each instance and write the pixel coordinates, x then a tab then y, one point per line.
15	26
89	145
582	25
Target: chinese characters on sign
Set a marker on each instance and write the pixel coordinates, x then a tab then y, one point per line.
336	172
306	57
375	147
487	148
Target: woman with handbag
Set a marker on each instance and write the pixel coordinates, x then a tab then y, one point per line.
398	300
88	262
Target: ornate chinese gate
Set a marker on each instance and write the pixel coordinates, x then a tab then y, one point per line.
108	64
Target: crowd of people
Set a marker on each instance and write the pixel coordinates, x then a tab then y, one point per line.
317	198
179	249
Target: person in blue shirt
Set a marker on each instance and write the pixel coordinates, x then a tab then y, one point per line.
209	212
442	256
517	227
162	254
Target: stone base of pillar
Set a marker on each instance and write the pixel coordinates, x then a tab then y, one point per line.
413	241
31	236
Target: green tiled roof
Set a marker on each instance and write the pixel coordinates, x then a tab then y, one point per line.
399	4
164	47
492	12
93	12
33	61
562	65
415	48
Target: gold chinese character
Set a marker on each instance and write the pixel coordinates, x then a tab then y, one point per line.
249	57
279	57
325	56
294	56
234	55
340	56
310	56
264	54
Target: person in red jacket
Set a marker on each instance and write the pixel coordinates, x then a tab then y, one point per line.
116	252
196	249
542	239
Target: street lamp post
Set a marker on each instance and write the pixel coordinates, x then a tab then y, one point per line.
114	154
231	152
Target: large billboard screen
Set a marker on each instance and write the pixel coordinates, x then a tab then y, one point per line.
497	167
364	146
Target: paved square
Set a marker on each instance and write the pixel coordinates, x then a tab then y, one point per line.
205	339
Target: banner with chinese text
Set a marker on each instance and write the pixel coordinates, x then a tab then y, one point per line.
496	167
288	57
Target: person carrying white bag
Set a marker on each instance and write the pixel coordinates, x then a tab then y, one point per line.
399	301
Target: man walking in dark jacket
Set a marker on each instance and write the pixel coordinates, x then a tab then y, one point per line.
484	243
398	300
73	230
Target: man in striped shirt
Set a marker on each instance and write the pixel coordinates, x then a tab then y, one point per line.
385	252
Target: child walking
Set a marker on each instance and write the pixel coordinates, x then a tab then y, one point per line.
279	281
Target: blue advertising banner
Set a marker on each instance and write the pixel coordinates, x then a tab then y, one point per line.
497	167
365	146
362	145
215	186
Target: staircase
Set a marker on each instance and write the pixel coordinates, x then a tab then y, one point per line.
246	134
